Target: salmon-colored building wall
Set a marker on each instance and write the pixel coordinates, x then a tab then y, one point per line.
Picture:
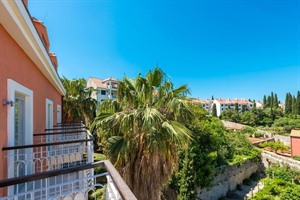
16	65
295	146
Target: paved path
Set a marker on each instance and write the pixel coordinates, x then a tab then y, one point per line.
246	191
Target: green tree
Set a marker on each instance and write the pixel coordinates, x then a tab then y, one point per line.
236	107
288	103
265	101
269	102
143	129
77	103
275	101
244	108
272	100
294	107
197	163
297	105
214	110
248	118
230	115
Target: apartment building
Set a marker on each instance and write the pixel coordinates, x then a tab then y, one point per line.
224	104
205	104
40	157
104	88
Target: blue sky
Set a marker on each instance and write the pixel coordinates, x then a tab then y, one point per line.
224	48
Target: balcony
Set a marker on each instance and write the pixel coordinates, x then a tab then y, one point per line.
112	87
59	165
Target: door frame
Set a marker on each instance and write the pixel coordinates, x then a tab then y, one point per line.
49	113
14	88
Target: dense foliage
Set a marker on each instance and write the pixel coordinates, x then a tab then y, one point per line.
211	148
282	183
275	146
77	103
288	123
271	115
276	189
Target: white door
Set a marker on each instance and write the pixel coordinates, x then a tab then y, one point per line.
19	140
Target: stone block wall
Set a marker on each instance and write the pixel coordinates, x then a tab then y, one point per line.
285	139
227	179
269	158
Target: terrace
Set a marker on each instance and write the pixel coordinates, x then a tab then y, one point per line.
59	165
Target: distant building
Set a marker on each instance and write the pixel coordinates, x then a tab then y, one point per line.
206	104
295	142
259	105
224	104
281	105
104	88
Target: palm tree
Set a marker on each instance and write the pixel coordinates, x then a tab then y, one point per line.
143	129
77	103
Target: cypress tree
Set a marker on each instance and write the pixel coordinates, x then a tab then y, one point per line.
212	98
271	100
275	101
297	106
214	110
288	103
294	105
265	101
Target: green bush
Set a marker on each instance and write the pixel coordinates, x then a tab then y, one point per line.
258	134
275	146
296	158
98	194
277	189
284	172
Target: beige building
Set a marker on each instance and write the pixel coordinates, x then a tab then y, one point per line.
104	88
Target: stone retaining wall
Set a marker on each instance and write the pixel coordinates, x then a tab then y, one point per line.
227	179
269	158
285	139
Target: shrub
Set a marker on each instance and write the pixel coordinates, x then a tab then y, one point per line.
296	158
275	146
258	134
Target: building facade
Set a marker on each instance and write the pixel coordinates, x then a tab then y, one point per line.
104	88
30	89
40	157
224	104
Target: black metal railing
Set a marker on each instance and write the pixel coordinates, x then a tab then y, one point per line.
61	163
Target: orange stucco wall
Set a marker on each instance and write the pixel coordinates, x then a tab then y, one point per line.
295	146
16	65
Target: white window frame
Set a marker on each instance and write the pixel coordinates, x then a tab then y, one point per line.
49	102
58	116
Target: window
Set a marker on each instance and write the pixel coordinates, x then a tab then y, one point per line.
103	92
58	119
